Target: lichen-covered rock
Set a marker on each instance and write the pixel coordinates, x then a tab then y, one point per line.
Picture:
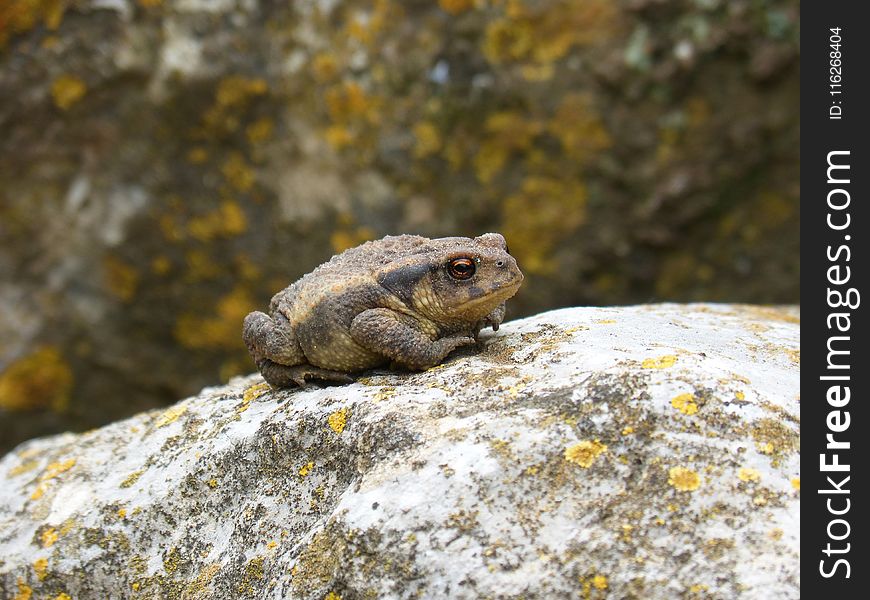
168	165
640	452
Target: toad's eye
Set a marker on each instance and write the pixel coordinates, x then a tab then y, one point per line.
461	268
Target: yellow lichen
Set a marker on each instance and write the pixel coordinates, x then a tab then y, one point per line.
24	591
238	173
40	380
428	139
578	127
506	132
18	16
170	415
339	136
260	130
338	420
747	474
662	362
226	221
545	34
537	218
740	396
161	265
683	479
599	582
67	90
40	567
796	483
193	330
49	537
122	513
454	7
197	155
306	469
324	67
255	391
343	239
232	96
627	430
24	467
332	596
685	403
349	101
121	278
132	478
212	483
584	453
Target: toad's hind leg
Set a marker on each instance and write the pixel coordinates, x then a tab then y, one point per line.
277	354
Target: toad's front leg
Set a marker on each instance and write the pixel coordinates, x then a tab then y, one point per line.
400	338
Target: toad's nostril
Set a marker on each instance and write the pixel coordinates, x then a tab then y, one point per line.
500	263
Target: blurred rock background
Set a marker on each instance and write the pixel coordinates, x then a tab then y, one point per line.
167	165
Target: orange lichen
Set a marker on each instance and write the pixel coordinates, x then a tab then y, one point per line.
66	90
584	453
338	420
685	403
40	380
683	479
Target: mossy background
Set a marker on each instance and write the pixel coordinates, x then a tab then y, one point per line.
167	166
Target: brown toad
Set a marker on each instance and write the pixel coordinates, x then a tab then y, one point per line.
406	300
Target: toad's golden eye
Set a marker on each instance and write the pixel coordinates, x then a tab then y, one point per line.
461	268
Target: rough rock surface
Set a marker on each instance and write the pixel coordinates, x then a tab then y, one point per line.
640	452
168	165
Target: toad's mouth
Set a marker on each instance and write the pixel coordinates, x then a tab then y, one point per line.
496	294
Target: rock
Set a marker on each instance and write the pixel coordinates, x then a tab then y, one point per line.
168	165
636	452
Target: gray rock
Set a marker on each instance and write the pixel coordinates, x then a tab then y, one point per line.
166	166
638	452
